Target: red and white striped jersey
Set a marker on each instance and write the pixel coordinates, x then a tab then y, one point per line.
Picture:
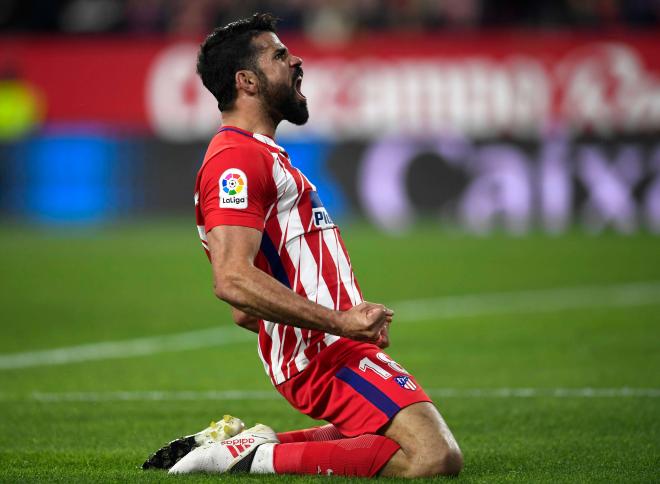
247	179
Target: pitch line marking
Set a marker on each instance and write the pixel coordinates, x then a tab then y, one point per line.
231	395
448	307
217	336
531	301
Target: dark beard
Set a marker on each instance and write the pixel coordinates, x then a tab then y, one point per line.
282	103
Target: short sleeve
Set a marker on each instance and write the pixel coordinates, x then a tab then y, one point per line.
236	188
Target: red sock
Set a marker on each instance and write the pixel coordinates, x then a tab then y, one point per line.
315	434
361	456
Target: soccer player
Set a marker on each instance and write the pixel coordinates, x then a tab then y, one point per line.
279	260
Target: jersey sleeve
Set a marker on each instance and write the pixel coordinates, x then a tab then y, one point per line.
236	188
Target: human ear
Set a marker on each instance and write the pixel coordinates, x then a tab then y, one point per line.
247	81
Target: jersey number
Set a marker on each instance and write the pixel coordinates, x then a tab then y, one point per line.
367	364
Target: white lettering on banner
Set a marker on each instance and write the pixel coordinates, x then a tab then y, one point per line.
610	185
510	187
178	105
652	201
382	182
555	189
606	88
501	189
382	176
476	96
599	87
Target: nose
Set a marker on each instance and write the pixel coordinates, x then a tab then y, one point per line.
296	61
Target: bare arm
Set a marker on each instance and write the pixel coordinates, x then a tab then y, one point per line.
255	293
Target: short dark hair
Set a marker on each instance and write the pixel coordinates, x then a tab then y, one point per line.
228	50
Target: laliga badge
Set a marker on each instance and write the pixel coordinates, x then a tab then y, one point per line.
233	189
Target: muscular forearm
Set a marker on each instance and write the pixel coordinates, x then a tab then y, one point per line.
252	291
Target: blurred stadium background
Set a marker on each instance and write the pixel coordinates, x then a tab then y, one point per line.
495	165
477	114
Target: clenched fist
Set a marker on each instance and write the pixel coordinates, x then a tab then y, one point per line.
365	322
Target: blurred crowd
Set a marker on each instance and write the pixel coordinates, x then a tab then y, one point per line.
322	18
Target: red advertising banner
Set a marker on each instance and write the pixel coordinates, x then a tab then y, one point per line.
479	85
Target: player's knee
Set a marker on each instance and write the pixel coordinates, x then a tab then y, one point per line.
426	442
445	462
449	463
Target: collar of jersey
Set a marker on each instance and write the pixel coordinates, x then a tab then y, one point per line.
259	137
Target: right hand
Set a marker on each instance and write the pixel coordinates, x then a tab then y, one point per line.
365	321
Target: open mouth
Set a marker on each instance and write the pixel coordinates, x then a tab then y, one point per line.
298	86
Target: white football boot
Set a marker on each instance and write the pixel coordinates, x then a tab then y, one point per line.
233	455
171	453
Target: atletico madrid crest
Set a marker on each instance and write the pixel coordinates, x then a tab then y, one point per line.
405	382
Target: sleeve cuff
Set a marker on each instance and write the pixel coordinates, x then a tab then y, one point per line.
212	222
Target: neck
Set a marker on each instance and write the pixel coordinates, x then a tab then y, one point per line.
250	119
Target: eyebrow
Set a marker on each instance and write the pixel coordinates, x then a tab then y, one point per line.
281	50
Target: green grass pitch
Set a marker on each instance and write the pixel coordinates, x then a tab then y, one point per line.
64	289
